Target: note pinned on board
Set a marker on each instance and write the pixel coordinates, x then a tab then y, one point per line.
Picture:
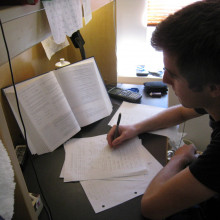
65	18
87	10
51	47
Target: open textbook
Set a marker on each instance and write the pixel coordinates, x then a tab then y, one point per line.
55	105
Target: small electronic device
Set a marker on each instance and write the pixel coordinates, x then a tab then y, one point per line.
21	152
141	74
124	94
36	202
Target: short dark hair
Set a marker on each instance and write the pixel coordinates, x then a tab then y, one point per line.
192	35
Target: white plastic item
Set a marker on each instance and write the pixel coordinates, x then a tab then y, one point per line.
62	63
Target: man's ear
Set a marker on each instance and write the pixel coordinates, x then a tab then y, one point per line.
214	90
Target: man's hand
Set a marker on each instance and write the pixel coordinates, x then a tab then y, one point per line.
187	153
125	133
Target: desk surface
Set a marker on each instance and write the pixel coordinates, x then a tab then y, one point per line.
146	99
68	200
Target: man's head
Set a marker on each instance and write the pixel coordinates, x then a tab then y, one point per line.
192	36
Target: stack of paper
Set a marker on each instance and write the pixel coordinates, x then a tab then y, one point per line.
108	176
92	158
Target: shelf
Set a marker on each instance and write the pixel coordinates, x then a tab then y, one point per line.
24	26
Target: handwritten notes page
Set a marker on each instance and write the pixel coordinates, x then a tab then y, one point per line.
92	158
108	176
133	113
105	194
65	18
51	47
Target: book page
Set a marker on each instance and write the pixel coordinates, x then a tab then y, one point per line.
33	137
64	17
47	110
85	91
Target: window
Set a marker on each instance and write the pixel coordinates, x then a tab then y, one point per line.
136	20
158	10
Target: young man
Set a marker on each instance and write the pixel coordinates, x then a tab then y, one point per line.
187	187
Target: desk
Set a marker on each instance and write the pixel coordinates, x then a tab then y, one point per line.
146	99
68	201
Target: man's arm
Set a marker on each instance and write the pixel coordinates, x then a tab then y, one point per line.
170	117
167	118
174	188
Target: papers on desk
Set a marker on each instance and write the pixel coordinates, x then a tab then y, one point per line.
108	176
92	158
105	194
133	113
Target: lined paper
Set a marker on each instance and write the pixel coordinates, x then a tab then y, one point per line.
92	158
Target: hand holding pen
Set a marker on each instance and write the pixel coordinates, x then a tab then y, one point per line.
116	136
116	129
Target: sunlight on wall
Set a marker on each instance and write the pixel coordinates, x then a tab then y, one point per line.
133	39
154	61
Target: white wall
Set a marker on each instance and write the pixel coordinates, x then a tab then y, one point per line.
133	39
131	35
198	130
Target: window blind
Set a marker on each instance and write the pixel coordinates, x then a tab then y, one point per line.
158	10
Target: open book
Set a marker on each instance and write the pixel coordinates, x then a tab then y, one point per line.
55	105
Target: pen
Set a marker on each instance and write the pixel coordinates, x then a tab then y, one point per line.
118	122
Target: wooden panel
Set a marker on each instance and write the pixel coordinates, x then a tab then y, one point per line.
99	35
23	208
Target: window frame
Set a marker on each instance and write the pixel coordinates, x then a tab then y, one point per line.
158	10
